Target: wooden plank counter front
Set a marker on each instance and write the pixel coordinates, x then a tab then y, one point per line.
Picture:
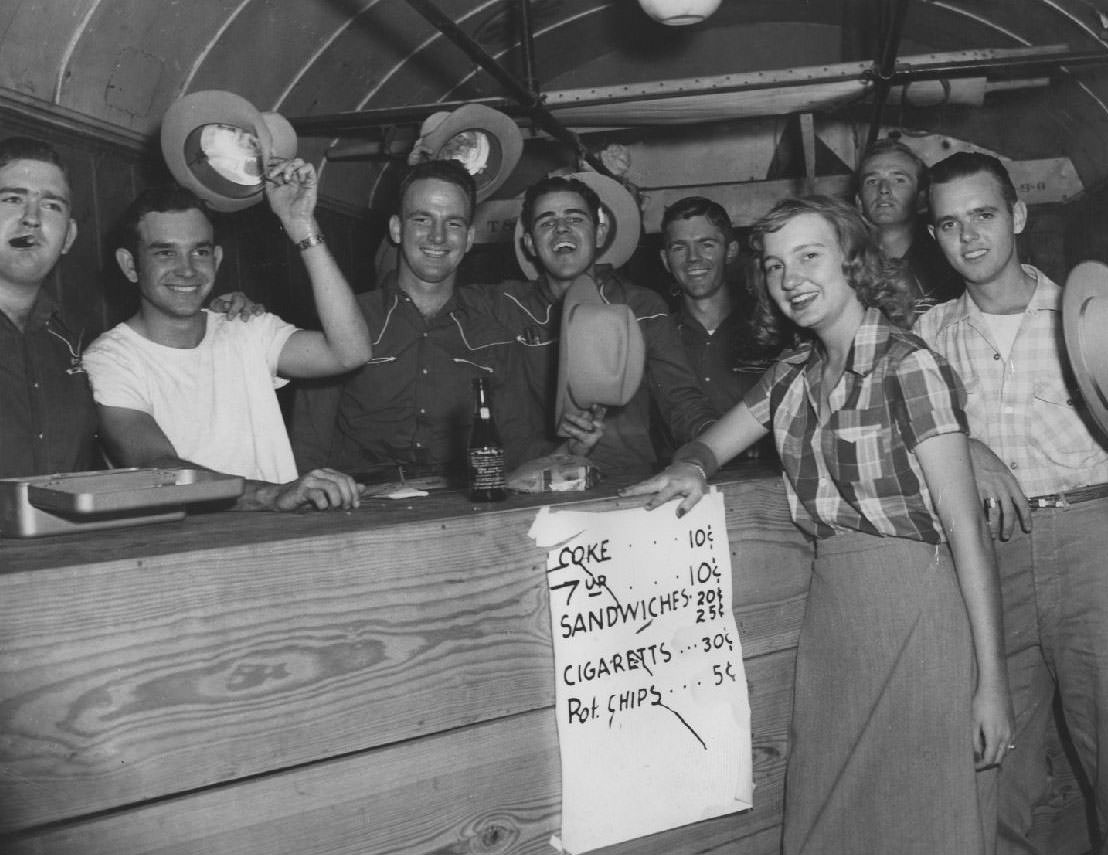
373	682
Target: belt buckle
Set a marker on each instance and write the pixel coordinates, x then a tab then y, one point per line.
1056	501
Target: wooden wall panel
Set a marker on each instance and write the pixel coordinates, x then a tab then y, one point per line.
491	788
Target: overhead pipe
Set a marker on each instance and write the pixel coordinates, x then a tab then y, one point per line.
527	46
885	67
529	99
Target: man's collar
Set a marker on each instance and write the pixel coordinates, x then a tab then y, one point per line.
545	289
43	309
1045	296
390	285
603	275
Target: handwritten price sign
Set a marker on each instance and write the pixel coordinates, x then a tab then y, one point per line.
651	700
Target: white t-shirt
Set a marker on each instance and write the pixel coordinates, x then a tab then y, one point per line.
1004	329
215	402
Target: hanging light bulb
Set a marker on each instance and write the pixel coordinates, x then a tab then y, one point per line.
679	13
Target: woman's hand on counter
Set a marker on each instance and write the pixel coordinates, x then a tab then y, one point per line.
681	479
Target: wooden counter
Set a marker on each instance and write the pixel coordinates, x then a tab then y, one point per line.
372	682
363	683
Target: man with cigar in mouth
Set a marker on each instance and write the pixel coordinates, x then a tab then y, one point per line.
47	417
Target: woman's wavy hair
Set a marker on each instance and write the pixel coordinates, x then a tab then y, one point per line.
875	279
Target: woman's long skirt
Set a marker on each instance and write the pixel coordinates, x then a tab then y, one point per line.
881	756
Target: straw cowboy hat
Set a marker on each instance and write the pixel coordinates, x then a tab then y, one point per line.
217	144
601	351
1085	319
620	210
485	141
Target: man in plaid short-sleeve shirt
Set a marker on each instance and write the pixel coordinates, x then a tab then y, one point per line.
1037	463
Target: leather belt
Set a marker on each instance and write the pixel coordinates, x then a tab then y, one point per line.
1070	497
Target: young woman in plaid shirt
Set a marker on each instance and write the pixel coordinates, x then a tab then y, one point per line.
895	714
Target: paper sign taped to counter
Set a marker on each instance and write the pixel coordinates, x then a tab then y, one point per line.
651	698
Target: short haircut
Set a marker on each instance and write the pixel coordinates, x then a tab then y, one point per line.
29	148
557	184
155	200
891	145
875	279
450	171
698	206
963	164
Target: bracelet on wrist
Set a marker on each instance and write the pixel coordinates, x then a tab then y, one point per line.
695	465
697	454
314	239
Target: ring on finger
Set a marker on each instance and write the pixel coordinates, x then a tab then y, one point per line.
991	502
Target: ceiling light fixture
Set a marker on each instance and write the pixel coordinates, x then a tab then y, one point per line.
679	13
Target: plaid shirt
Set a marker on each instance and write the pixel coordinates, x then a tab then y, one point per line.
1027	408
855	469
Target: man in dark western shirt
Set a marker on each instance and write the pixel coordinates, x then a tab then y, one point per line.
892	190
716	320
412	402
47	416
563	232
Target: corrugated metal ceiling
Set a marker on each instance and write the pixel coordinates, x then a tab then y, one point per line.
117	64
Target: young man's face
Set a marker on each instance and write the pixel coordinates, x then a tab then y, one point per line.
803	265
36	225
975	228
564	236
434	230
696	253
888	191
175	263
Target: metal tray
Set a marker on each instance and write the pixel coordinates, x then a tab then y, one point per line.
79	501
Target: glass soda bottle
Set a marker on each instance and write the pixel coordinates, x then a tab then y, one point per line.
484	450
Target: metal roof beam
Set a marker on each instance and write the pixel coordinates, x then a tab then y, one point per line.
1006	62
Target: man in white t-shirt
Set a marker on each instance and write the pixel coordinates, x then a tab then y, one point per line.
176	385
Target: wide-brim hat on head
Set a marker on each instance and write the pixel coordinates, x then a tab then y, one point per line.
485	141
620	211
1085	320
217	144
601	352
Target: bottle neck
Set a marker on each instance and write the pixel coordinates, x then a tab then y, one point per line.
481	408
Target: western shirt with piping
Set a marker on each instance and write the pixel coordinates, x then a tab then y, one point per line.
532	312
47	415
412	401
